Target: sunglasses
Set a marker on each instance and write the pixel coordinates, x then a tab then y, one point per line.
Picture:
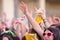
48	34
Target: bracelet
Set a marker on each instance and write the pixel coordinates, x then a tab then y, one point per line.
44	20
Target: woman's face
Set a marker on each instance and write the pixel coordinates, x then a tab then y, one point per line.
47	35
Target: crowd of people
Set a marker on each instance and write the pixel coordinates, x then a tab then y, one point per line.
48	28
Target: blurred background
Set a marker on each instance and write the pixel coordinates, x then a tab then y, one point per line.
11	7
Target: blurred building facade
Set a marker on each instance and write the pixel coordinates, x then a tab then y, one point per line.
52	7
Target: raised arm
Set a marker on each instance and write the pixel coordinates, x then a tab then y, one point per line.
34	24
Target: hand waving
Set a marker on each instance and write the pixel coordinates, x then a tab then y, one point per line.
23	7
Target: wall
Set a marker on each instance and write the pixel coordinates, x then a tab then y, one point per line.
0	7
53	8
31	4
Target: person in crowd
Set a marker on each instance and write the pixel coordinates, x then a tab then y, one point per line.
20	27
51	34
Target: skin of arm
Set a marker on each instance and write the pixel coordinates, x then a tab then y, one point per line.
34	24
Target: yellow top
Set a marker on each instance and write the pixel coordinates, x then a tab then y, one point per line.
28	36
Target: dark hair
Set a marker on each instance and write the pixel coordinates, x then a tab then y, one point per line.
56	33
8	36
16	38
24	38
56	26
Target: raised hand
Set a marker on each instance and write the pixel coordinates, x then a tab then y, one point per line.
36	26
23	7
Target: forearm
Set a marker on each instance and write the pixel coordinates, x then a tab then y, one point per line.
34	24
46	23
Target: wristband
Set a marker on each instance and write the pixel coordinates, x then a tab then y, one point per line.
44	20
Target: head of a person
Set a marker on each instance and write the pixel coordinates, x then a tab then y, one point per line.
51	34
7	37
